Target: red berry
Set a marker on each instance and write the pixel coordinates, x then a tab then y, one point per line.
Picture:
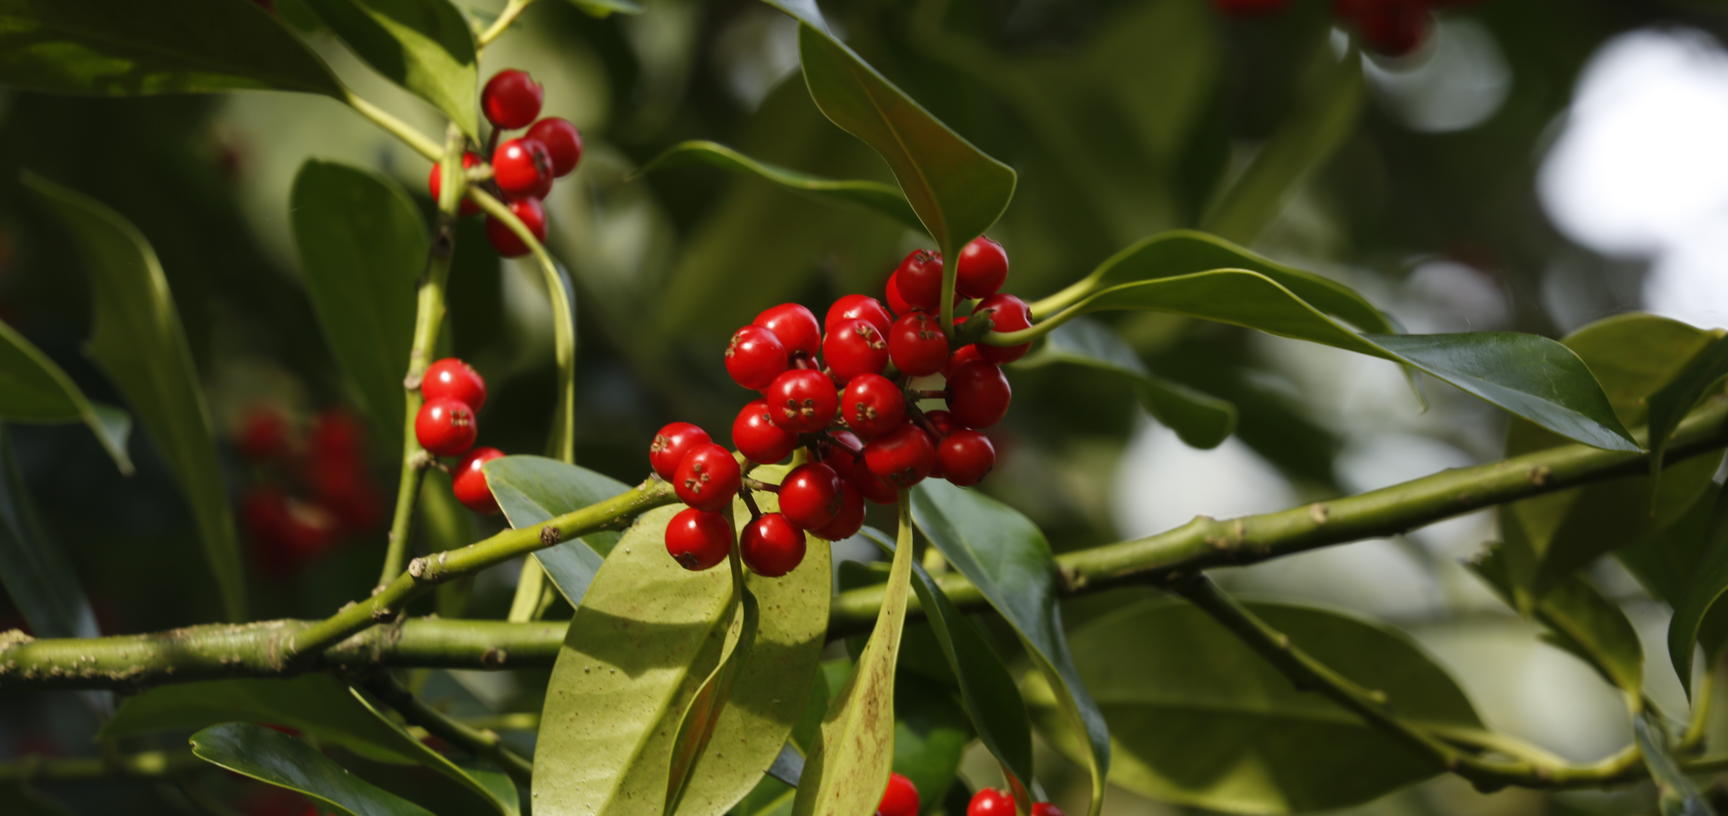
965	457
839	450
943	423
263	434
756	436
795	326
872	405
1007	313
771	545
451	378
847	522
469	485
990	802
563	143
802	400
917	345
896	301
511	99
670	444
903	457
755	357
982	268
338	434
899	799
1249	8
919	278
435	184
961	356
978	394
857	307
445	427
853	348
1046	809
869	485
708	477
522	168
699	539
1394	27
505	240
810	495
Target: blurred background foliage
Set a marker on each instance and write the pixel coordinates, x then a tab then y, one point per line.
1428	182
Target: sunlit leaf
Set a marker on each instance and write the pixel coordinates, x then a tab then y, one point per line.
422	45
870	195
34	389
532	490
269	756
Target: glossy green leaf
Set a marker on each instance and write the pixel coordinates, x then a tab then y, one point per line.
33	389
1579	620
139	343
931	734
1199	719
362	247
870	195
270	756
1003	554
190	46
422	45
1200	420
532	490
606	8
1669	405
36	573
697	726
1699	614
1676	793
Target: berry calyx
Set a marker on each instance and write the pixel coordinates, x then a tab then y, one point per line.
511	99
796	327
504	240
903	457
990	802
810	496
872	405
857	307
771	545
978	394
445	427
756	436
435	184
1007	313
754	357
671	444
708	477
563	143
919	278
917	345
450	378
853	348
981	269
965	457
849	520
802	400
698	539
1046	809
469	483
522	168
900	798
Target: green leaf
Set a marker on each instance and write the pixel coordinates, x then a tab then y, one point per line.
1579	620
606	8
190	46
34	389
1201	720
1200	420
1003	554
36	573
697	725
931	734
139	343
422	45
269	756
870	195
1676	792
532	490
362	248
1670	405
1699	614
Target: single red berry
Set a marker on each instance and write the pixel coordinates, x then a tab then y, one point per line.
708	477
771	545
857	307
795	326
978	394
1007	314
338	434
982	268
802	400
755	357
899	799
522	168
965	457
869	485
511	99
342	487
903	457
917	345
505	241
839	450
445	427
1046	809
756	436
990	802
435	184
961	356
1249	8
263	434
451	378
847	522
943	423
810	495
854	348
1394	27
563	143
919	278
872	405
670	444
699	539
469	484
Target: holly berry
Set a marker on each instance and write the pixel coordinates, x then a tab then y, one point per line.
1007	313
699	539
943	423
961	356
756	436
964	457
897	302
853	348
917	345
469	483
522	168
445	427
707	478
978	394
1046	809
847	522
435	184
857	307
810	495
903	457
505	240
1392	27
899	799
563	143
755	357
511	99
981	269
839	450
990	802
869	485
795	326
771	545
802	400
919	278
670	445
451	378
263	434
872	405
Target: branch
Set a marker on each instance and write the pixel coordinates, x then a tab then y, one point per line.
480	742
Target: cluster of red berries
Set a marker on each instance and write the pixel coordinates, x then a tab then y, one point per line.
453	393
312	491
846	390
1391	27
523	168
992	802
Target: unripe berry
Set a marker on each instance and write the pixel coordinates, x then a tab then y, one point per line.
1007	313
919	277
771	545
917	345
857	307
563	143
990	802
900	798
469	482
671	444
754	357
699	539
965	457
445	427
522	168
978	394
796	327
450	378
903	457
511	99
505	241
847	522
810	495
756	436
435	184
872	405
802	400
708	477
982	268
854	348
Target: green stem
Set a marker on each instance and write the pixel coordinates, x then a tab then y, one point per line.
1071	294
401	130
480	742
505	18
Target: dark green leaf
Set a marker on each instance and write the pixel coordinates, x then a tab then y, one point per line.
1677	793
34	389
189	46
422	45
1003	554
930	735
269	756
870	195
1699	612
1669	405
36	573
1580	621
532	490
139	343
